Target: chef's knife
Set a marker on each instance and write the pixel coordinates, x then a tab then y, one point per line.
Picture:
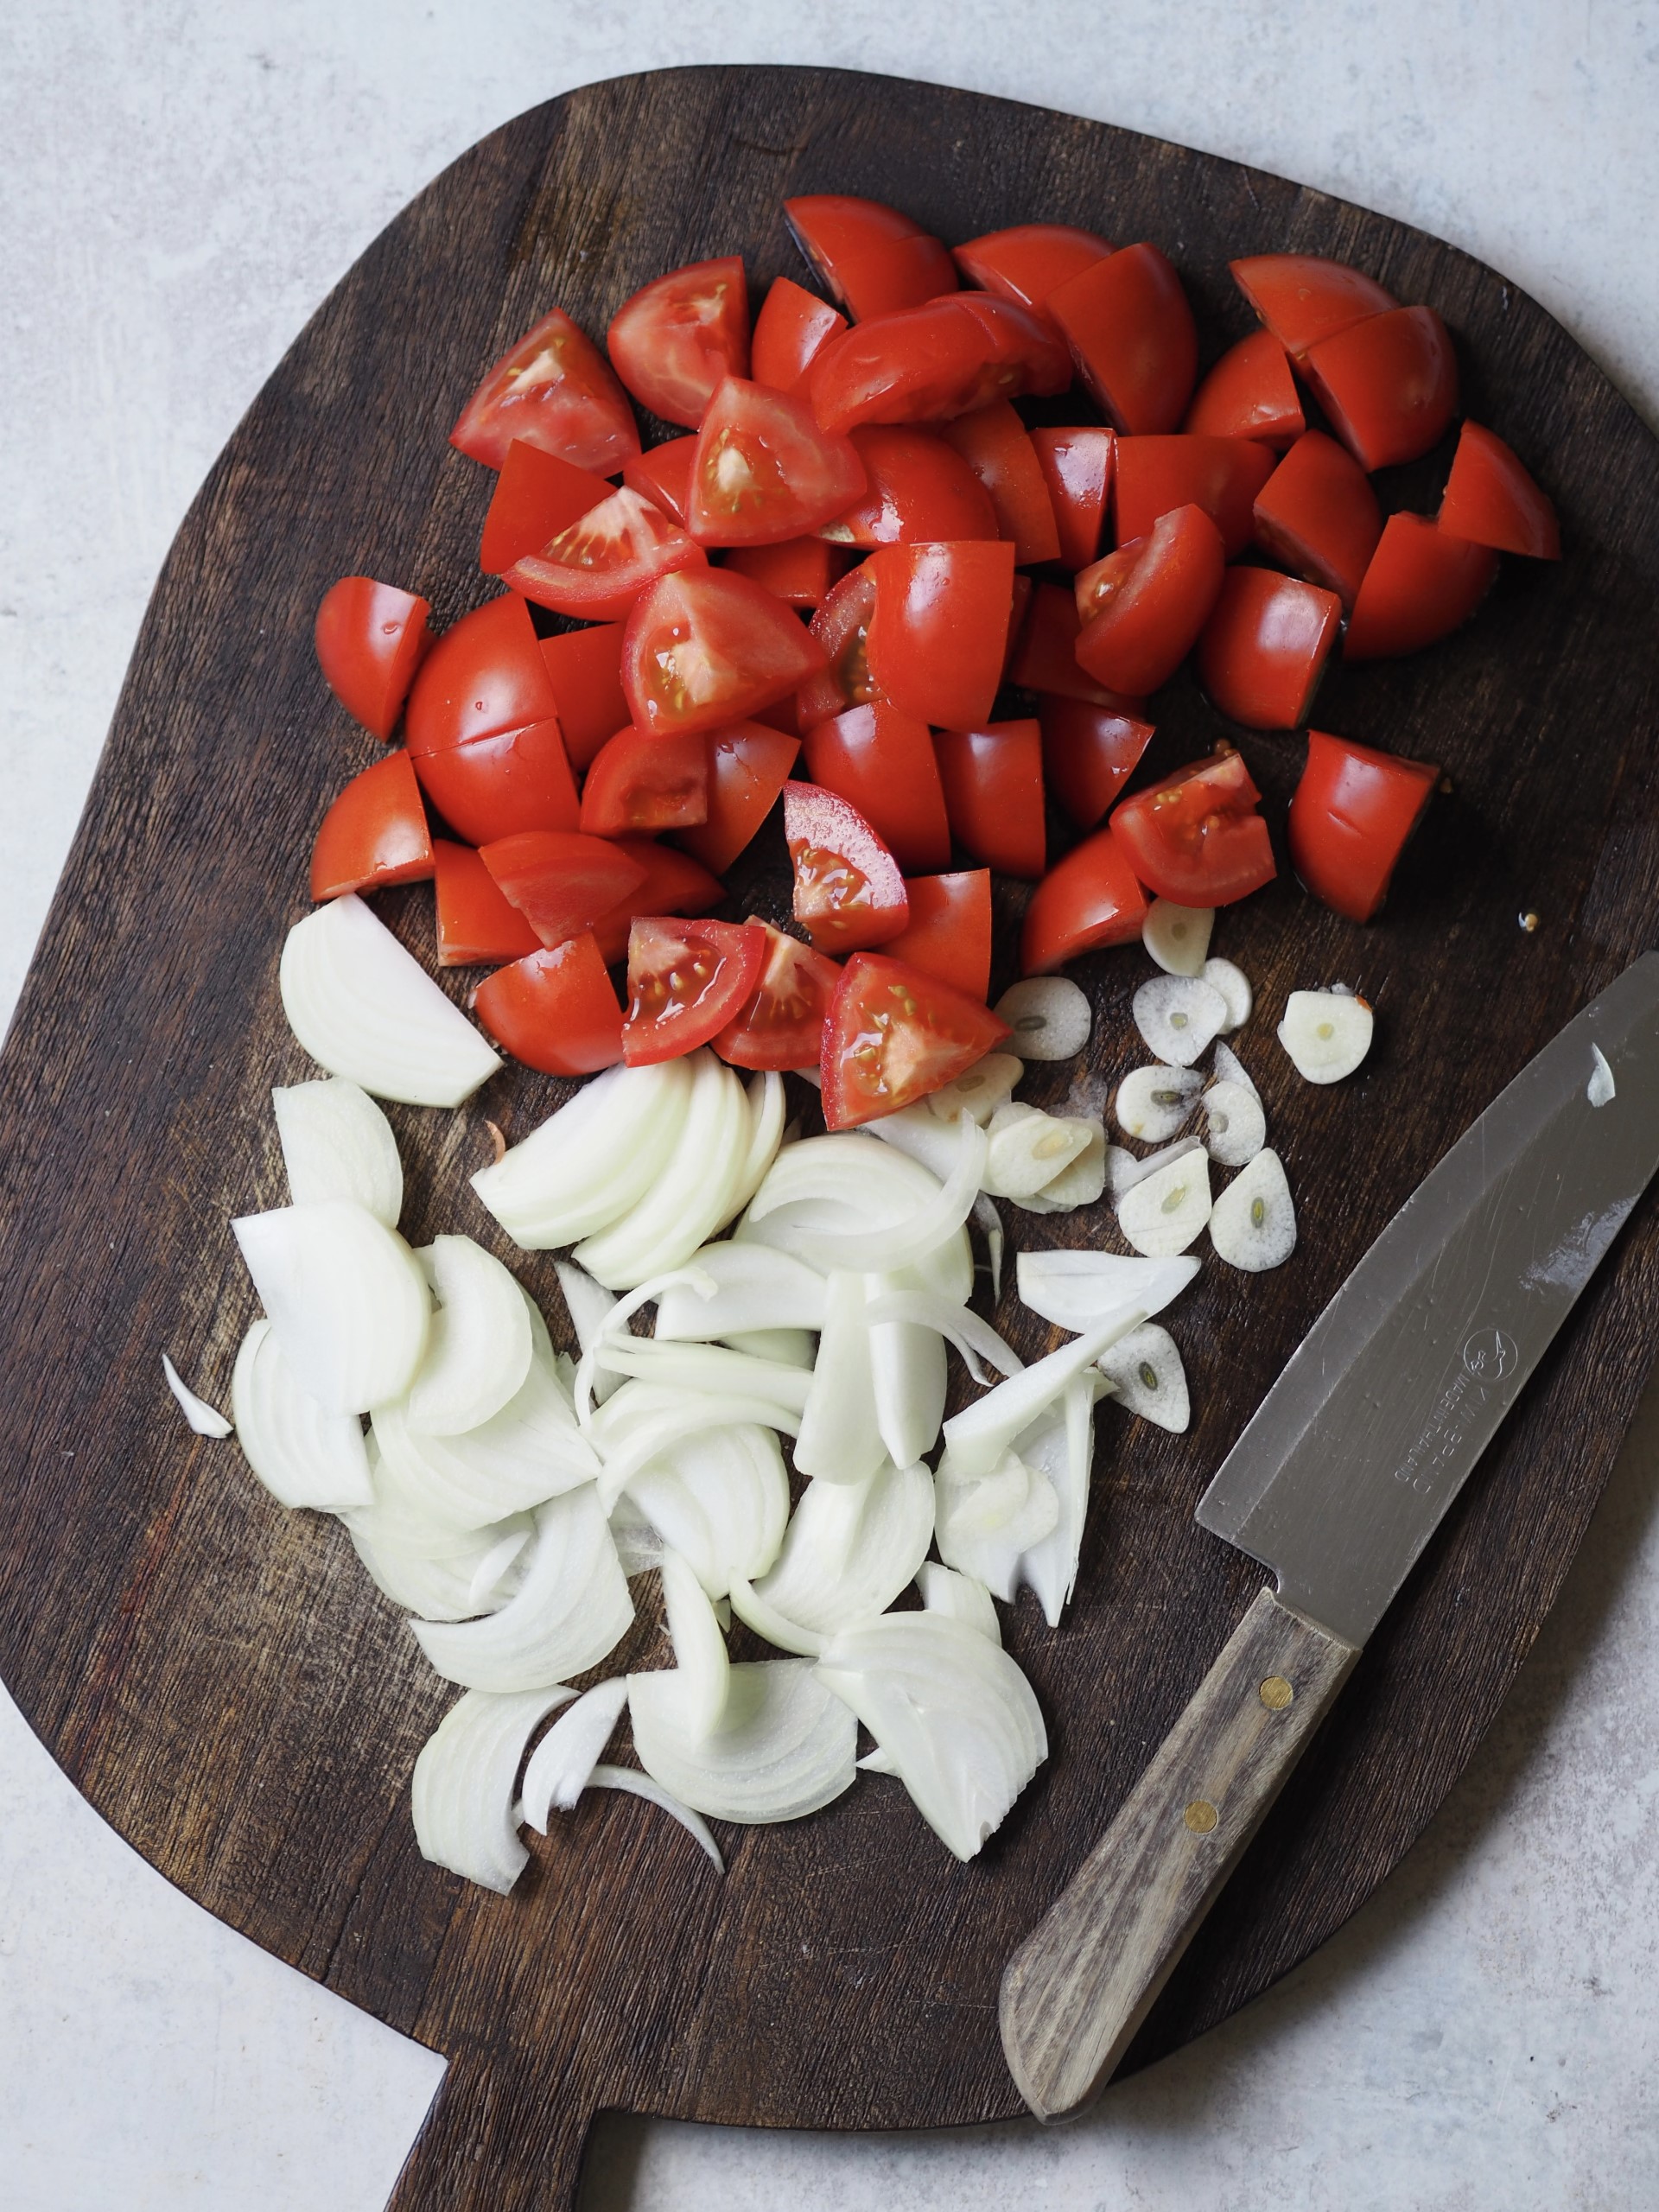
1337	1483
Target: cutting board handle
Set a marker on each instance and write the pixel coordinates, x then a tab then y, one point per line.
500	2140
1081	1982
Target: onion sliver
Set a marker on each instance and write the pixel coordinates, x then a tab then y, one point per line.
1062	1447
635	1784
756	1287
722	1499
528	1453
462	1796
1147	1378
987	1523
829	1184
337	1144
785	1746
977	1437
909	1372
1078	1290
700	1655
975	1339
562	1762
478	1351
303	1454
694	1192
909	1241
588	1163
366	1009
670	1423
850	1549
989	1222
707	1369
589	1305
839	1432
759	1614
205	1420
346	1297
785	1347
767	1105
427	1567
964	1597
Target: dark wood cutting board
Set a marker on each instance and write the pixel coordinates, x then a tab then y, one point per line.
218	1676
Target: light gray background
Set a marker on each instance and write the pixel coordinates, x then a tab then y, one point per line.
181	184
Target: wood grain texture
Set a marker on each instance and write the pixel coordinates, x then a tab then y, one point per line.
1078	1988
218	1677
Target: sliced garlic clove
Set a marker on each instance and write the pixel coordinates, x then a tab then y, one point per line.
1154	1103
1082	1182
1049	1017
1326	1033
1177	937
979	1090
1163	1212
1179	1017
1124	1171
1235	988
1252	1222
1229	1068
1026	1153
1145	1371
1235	1129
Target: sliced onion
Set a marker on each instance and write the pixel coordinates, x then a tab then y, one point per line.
427	1566
302	1454
1079	1290
489	1589
479	1346
909	1372
694	1192
708	1370
528	1453
963	1597
920	1135
658	1424
1163	1212
785	1746
205	1420
588	1163
1230	1069
755	1287
989	1222
337	1144
759	1614
840	1434
462	1797
908	1241
1253	1224
1179	1017
833	1184
1234	989
589	1305
1049	1016
766	1107
977	1437
700	1655
365	1009
786	1347
1326	1033
722	1499
635	1784
1236	1126
1062	1447
987	1084
562	1763
1147	1378
639	1545
973	1338
614	1330
1177	937
987	1522
346	1297
1155	1104
851	1547
1027	1148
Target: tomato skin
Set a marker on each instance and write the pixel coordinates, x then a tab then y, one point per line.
1303	298
801	571
671	882
939	634
948	934
790	331
555	1009
1221	475
1422	585
894	1034
1317	514
881	760
1132	337
748	767
585	669
662	477
708	647
686	980
638	785
1144	605
926	363
1389	385
918	490
561	882
1249	393
1491	500
371	638
1089	755
486	673
1077	466
491	787
1351	813
598	567
764	471
374	834
1265	647
993	442
781	1025
673	340
1195	837
841	630
537	495
1090	899
993	779
476	925
872	257
552	389
1029	261
849	891
1045	656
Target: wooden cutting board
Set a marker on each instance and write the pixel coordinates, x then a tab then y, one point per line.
218	1676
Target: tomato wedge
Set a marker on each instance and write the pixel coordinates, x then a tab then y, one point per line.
748	767
1389	385
551	390
1030	260
662	477
763	471
939	636
993	779
537	495
1422	585
374	834
585	669
872	258
895	1034
491	787
1090	899
849	891
1197	837
1264	648
1303	298
686	980
1491	500
642	784
948	934
1132	336
1221	475
671	882
1317	514
929	362
1249	393
554	1010
801	571
1077	466
1143	606
371	637
842	628
708	647
1089	755
918	490
1352	812
599	566
674	339
790	331
993	443
561	882
881	761
1044	657
476	925
782	1025
486	673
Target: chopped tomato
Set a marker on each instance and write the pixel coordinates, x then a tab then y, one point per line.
552	389
1132	336
1089	755
1353	810
554	1010
1197	837
929	362
1029	261
1221	475
662	476
782	1025
748	767
993	779
939	634
686	980
374	834
585	669
1077	466
491	787
537	495
790	331
1045	659
918	490
1019	600
476	925
1317	514
643	784
677	336
600	564
949	933
1143	606
1303	298
801	571
872	258
1090	899
993	443
842	628
1422	585
881	761
763	471
848	890
371	637
671	882
486	673
708	647
561	882
1249	393
1264	648
895	1034
1389	385
1491	500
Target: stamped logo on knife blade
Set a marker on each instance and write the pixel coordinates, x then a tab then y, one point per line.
1488	1356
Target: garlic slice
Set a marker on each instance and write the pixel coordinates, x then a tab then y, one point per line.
1028	1148
1234	985
1079	1184
478	1349
1147	1378
1049	1018
1163	1212
338	1144
346	1296
1326	1033
561	1765
1229	1068
205	1420
1179	1017
1235	1129
303	1454
1155	1104
980	1090
785	1746
1178	937
462	1795
1253	1225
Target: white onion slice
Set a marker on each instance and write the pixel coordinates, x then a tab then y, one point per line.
1229	1068
1062	1447
205	1420
755	1287
426	1565
766	1105
1155	1104
975	1339
589	1305
978	1091
492	1580
639	1544
1253	1225
613	1330
786	1347
989	1222
462	1795
850	1549
977	1437
1162	1213
785	1746
479	1346
831	1183
763	1617
1147	1378
1025	1149
1081	1183
1235	1129
1049	1018
706	1370
909	1373
1179	1017
907	1242
1079	1290
700	1654
338	1144
635	1784
920	1135
839	1432
1600	1089
988	1520
561	1765
1178	937
694	1192
963	1597
588	1163
303	1454
365	1009
528	1453
1326	1033
660	1424
1234	986
346	1297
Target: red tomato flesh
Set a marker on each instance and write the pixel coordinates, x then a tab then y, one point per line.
993	443
554	1010
1090	899
939	637
374	834
790	331
1197	837
874	259
476	925
686	980
928	363
1132	337
1303	298
1249	393
881	761
537	495
918	490
1143	606
1264	648
1351	813
491	787
551	390
1045	657
585	669
1317	514
801	571
992	781
671	882
1389	385
1030	260
1422	585
848	890
708	646
561	882
599	566
371	637
763	470
1077	466
842	629
662	477
781	1024
486	673
677	336
1491	500
1089	755
949	933
748	767
895	1034
1221	475
639	784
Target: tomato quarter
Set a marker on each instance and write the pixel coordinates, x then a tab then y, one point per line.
491	787
1318	515
1249	393
1221	475
763	471
874	259
993	443
939	636
642	784
708	647
1389	385
477	926
1077	466
662	477
486	673
881	761
1090	899
1491	500
748	767
992	781
1352	812
1303	298
918	490
841	630
790	331
686	980
1422	585
949	933
1265	647
929	362
561	882
895	1034
677	336
374	835
371	637
1030	260
585	669
848	890
1197	837
554	1010
599	566
1143	606
552	389
1132	336
537	495
782	1025
1089	755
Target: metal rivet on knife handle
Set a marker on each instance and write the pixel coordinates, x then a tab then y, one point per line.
1275	1692
1200	1816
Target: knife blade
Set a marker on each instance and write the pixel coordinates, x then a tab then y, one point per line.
1336	1483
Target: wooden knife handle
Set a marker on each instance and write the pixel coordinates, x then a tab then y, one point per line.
1081	1982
